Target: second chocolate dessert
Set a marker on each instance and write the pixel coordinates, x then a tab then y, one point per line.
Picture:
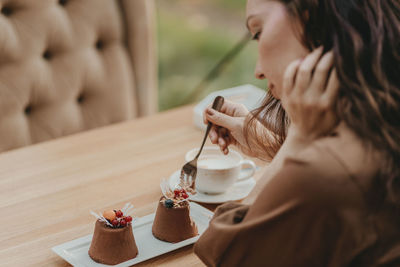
172	222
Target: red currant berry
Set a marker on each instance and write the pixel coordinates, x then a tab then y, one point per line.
122	222
176	191
128	219
184	195
119	213
114	222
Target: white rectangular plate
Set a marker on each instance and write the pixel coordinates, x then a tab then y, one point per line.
76	251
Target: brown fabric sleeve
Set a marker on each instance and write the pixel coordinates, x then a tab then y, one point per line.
290	224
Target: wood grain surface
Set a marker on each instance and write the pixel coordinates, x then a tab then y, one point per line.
48	189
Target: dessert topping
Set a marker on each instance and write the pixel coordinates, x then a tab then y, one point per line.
119	213
115	218
109	215
169	203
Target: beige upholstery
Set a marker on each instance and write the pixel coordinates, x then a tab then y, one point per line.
72	65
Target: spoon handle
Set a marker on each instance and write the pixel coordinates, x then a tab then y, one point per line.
217	104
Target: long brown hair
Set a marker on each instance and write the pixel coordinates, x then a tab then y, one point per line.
365	38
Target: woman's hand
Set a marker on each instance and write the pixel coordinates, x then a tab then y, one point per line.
228	124
228	128
310	89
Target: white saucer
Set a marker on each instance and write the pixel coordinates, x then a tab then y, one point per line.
238	191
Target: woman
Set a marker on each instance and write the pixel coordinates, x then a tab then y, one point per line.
331	123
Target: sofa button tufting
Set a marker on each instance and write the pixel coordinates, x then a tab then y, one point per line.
80	99
47	55
6	11
28	110
62	2
99	44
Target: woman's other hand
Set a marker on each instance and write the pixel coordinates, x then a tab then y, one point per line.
310	90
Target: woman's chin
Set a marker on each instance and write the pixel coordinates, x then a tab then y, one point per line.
272	90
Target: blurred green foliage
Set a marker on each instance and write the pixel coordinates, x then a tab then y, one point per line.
239	5
189	49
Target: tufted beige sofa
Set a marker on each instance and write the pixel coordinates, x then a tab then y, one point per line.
72	65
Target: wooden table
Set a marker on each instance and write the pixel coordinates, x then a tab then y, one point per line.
48	189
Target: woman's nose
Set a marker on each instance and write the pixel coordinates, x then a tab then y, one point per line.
258	72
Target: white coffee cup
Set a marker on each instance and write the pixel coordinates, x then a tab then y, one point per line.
216	172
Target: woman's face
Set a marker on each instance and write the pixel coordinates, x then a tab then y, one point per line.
278	44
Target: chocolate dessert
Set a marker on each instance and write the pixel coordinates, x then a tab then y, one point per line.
113	241
172	222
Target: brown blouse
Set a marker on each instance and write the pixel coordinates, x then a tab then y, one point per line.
312	213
